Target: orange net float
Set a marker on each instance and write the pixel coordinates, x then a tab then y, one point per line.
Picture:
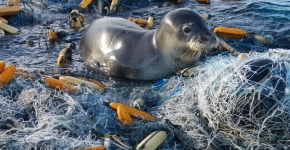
3	20
51	34
230	32
7	74
203	1
85	3
124	116
136	113
2	66
131	19
11	10
141	25
9	3
54	83
140	21
94	148
16	3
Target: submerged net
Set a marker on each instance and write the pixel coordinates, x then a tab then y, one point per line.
220	107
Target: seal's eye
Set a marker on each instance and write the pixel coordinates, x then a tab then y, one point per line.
186	29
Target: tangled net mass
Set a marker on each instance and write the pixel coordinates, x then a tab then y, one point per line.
222	106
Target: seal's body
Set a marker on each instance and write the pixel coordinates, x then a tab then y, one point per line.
120	47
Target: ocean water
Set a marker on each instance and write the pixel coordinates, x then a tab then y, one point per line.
34	116
258	17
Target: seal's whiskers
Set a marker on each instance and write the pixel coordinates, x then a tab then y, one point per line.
190	54
196	54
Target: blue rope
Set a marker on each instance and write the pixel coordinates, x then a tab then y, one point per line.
159	83
177	88
172	93
224	53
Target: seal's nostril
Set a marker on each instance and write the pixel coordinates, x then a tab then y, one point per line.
204	37
201	38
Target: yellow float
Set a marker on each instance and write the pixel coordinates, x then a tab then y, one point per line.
124	116
136	113
54	83
85	3
74	80
7	74
10	10
2	66
230	32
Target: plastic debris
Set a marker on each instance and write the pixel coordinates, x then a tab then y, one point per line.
230	32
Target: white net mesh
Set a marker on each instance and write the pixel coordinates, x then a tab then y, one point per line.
223	106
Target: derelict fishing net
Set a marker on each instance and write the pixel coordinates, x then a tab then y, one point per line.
219	107
223	107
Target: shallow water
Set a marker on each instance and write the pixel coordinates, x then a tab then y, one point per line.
262	17
259	17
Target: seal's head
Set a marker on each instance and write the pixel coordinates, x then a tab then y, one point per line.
189	28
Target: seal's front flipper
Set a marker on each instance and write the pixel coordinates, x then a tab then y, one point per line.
190	71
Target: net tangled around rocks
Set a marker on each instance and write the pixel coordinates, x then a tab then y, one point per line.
225	105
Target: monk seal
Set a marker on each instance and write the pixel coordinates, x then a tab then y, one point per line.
120	47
